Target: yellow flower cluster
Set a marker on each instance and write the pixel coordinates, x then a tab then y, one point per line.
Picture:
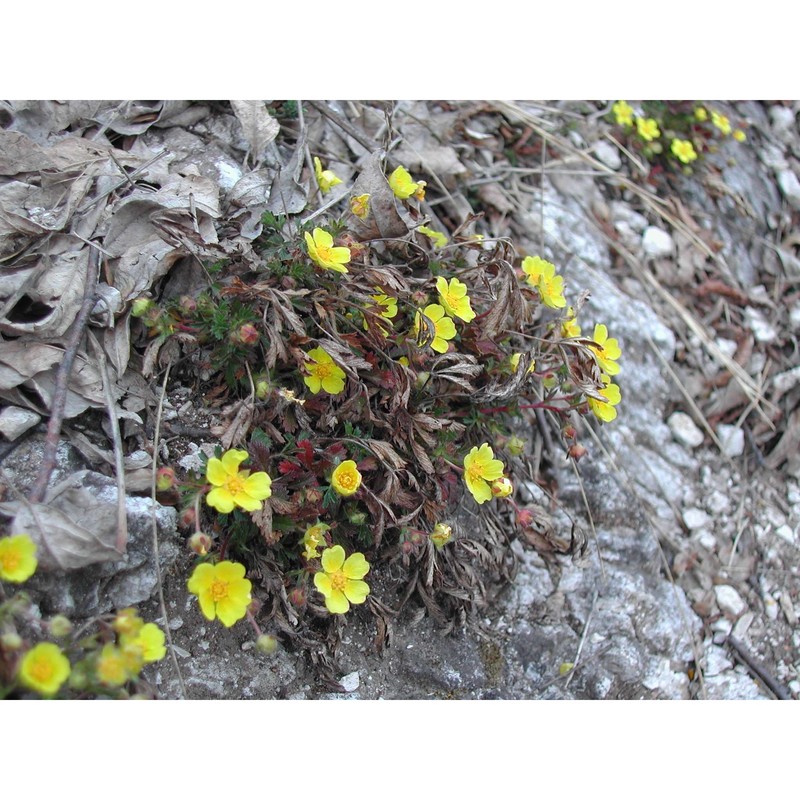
606	352
542	277
483	474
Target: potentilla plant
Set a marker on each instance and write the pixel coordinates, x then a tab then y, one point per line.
384	378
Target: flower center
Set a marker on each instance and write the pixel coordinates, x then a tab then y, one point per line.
347	480
218	590
338	581
9	561
42	671
235	485
324	252
324	371
475	472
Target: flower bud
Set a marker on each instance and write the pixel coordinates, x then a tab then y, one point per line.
577	451
267	644
128	622
441	535
416	538
200	543
515	446
141	305
356	516
188	304
524	518
10	641
187	518
248	335
60	626
502	487
165	479
261	384
569	432
297	597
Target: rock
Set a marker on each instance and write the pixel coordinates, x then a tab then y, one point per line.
623	214
790	187
608	154
762	330
729	600
684	430
718	502
695	519
657	243
350	682
14	421
783	122
716	662
731	438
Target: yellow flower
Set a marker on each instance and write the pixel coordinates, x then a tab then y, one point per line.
438	239
403	187
222	590
313	538
722	122
441	535
683	150
340	581
113	667
444	327
648	129
150	640
325	177
569	327
740	135
607	351
481	469
17	558
605	411
513	362
551	287
700	114
44	668
233	487
623	113
454	298
534	267
322	252
502	487
346	478
323	373
359	206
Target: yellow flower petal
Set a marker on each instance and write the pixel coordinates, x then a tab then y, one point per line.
336	602
356	566
221	499
356	591
333	558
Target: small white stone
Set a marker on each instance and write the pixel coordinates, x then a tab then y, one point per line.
782	119
790	187
771	607
794	687
684	430
695	518
762	330
743	624
608	154
716	662
718	502
731	438
15	421
350	682
729	600
794	317
728	347
722	625
623	214
707	540
657	243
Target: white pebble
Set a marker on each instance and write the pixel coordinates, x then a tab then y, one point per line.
771	607
718	502
790	187
731	438
695	518
762	330
707	540
350	682
728	347
608	154
657	243
15	421
729	600
684	430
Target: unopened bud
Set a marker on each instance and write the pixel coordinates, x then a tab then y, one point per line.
502	487
140	306
247	334
524	518
356	517
261	384
165	479
577	451
297	597
127	622
60	626
515	446
267	644
569	432
188	304
200	543
441	535
10	641
187	518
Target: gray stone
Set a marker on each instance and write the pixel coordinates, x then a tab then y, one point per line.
14	421
790	187
608	154
657	243
684	429
783	122
729	600
731	438
695	519
762	329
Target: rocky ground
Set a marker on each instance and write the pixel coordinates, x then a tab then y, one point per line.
689	502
